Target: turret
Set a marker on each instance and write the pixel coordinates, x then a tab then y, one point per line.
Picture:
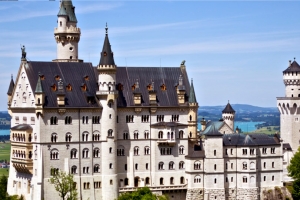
67	35
39	95
107	96
193	114
10	91
228	115
291	79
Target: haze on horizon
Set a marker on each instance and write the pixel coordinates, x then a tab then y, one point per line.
233	50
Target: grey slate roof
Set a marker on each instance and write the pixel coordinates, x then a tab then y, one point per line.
72	73
294	67
107	56
22	127
11	86
69	10
192	97
212	131
286	146
216	124
168	76
254	139
228	109
169	124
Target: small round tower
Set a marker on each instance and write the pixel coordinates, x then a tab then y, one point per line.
66	34
291	79
228	115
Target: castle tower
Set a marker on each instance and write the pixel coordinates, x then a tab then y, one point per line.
228	115
107	96
67	35
193	114
289	106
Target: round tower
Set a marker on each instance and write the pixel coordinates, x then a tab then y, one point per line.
66	34
291	79
107	96
228	115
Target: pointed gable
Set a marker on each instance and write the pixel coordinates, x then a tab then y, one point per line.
11	86
192	97
228	109
107	57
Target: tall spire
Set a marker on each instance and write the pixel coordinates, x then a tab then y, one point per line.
39	88
11	86
107	56
192	97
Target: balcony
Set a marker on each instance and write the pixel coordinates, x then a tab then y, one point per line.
22	165
107	92
157	188
67	30
166	142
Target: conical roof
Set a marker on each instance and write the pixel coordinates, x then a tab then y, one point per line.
107	56
11	86
294	67
67	8
228	109
39	87
62	11
192	97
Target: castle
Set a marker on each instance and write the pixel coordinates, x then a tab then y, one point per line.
119	128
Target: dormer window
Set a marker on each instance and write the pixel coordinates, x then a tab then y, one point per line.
54	87
69	87
133	87
149	87
83	87
87	78
42	77
57	77
105	54
163	87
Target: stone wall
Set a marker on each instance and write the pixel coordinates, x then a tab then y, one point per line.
196	193
212	194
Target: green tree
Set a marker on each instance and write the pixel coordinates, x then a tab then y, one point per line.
3	187
64	184
141	194
294	172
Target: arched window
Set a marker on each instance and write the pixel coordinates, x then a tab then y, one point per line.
244	179
53	120
215	167
146	134
215	180
244	165
60	24
126	182
252	165
96	136
85	153
168	135
172	181
24	97
54	137
252	179
182	180
160	166
161	181
136	135
197	179
96	168
171	165
73	153
73	169
54	154
85	136
180	134
120	151
160	135
181	165
110	165
197	165
147	150
110	133
68	120
181	150
68	137
136	151
147	181
125	135
96	152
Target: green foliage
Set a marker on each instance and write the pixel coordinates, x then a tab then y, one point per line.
64	185
294	167
3	187
141	194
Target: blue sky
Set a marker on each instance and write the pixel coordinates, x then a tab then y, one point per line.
234	50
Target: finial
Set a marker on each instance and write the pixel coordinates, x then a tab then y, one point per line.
12	77
106	28
294	58
191	80
228	101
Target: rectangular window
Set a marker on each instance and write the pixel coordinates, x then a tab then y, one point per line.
24	120
32	120
17	120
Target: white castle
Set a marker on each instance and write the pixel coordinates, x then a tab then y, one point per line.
120	128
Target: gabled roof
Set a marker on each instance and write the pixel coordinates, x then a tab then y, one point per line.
107	56
11	86
212	131
254	139
228	109
192	97
67	8
294	67
22	127
39	87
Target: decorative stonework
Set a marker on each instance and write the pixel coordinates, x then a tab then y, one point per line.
196	193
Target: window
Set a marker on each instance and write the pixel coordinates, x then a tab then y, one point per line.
171	165
60	23
231	165
215	167
136	135
96	119
126	182
86	185
226	151
171	180
215	152
53	120
125	136
111	182
181	165
110	150
160	118
244	166
215	181
273	165
147	181
97	184
86	170
85	119
85	153
147	150
161	181
73	169
231	151
226	180
197	165
272	178
129	118
226	165
96	152
96	168
96	136
68	137
175	118
145	118
110	133
120	151
54	154
125	167
244	179
181	180
264	165
252	165
110	165
53	137
73	153
180	134
160	166
68	120
136	151
264	178
165	151
197	179
231	179
264	150
252	152
181	150
244	151
160	135
273	150
136	166
147	166
146	134
54	171
85	136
